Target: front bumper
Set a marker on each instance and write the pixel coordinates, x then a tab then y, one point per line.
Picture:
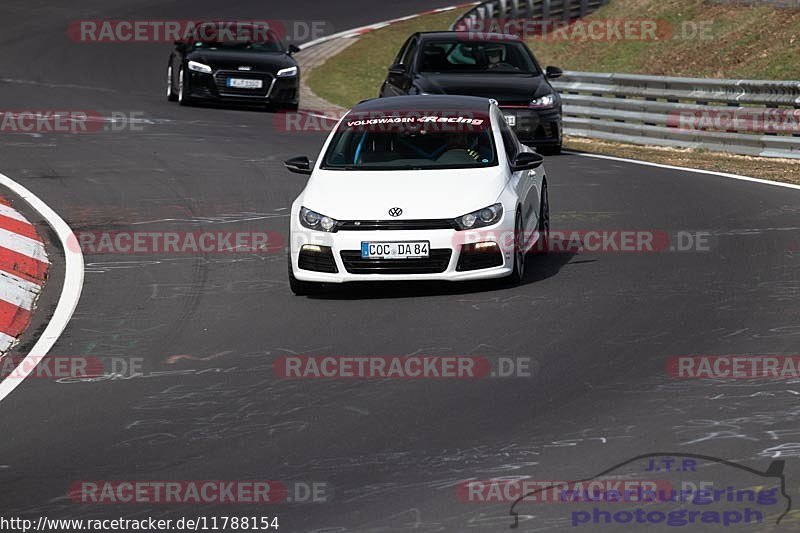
446	249
536	127
213	87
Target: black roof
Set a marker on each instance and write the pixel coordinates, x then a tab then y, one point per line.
425	102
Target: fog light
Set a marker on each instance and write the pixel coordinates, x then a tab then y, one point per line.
313	248
485	246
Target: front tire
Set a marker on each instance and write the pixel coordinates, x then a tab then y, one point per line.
171	96
183	88
554	149
518	274
543	244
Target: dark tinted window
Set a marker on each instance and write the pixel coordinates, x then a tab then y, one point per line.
468	56
402	141
235	37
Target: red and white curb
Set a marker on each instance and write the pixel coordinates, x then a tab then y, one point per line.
23	271
23	264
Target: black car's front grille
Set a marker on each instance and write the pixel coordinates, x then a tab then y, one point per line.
435	264
371	225
221	78
544	131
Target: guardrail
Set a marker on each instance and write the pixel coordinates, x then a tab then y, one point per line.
478	16
749	117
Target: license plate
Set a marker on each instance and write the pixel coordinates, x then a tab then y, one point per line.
245	84
512	120
395	250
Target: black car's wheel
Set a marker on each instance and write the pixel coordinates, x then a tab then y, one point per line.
183	88
553	149
543	244
518	273
300	288
171	96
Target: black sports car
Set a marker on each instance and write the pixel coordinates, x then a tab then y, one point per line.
233	62
494	66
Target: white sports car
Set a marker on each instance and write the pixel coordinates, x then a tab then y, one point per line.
418	188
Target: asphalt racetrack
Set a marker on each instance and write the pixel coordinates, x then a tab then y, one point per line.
596	327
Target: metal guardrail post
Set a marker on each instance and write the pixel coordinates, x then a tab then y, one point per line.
545	9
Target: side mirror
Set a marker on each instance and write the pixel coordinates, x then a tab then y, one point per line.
553	72
293	48
398	69
527	161
298	165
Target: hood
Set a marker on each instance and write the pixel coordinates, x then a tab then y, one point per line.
501	87
368	195
233	59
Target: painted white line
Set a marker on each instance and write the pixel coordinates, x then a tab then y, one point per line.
22	244
70	292
18	291
687	169
10	212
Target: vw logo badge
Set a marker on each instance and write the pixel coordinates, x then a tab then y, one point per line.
395	212
493	101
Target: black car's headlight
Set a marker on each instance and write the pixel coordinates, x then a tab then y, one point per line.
287	72
199	67
480	218
543	102
316	221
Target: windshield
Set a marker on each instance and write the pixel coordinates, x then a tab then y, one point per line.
468	56
402	141
236	37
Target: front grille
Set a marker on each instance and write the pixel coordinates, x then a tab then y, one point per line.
321	261
371	225
221	80
435	264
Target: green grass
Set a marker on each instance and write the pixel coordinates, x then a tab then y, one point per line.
744	42
358	71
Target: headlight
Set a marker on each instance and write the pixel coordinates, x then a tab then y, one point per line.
543	102
199	67
313	220
480	218
287	72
